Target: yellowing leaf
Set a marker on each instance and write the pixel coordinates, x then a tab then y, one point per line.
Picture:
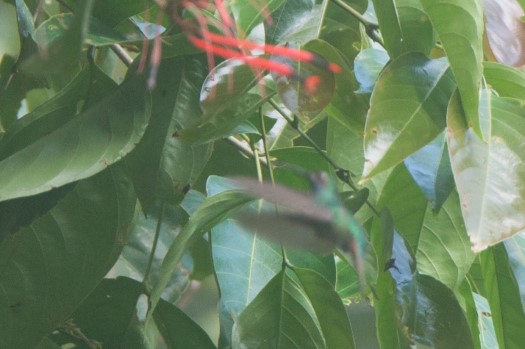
490	176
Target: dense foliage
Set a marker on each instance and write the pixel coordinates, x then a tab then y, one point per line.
115	207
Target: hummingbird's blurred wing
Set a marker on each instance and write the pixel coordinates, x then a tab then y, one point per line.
293	200
293	230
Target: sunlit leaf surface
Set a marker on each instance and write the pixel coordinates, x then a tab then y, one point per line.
407	110
490	175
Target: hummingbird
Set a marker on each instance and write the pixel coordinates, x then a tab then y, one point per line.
318	222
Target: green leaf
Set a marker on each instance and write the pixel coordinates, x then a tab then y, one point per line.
80	148
244	263
178	329
248	14
444	248
212	211
406	203
108	315
18	213
49	116
439	241
56	27
328	308
15	86
133	260
49	267
281	316
468	304
225	101
304	157
389	334
490	174
113	12
425	307
515	247
407	110
416	29
389	25
297	21
404	26
459	25
507	81
63	54
501	291
155	163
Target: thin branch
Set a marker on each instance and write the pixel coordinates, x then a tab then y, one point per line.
155	241
122	54
370	27
243	148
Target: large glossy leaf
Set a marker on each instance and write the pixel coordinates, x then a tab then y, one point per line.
281	316
49	267
328	308
212	211
490	175
87	144
108	315
459	25
407	110
297	21
133	261
161	165
243	263
89	84
439	241
425	307
444	249
502	293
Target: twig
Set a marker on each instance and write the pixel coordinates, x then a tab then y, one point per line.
370	27
122	54
243	148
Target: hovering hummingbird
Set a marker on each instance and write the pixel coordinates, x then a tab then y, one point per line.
317	223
